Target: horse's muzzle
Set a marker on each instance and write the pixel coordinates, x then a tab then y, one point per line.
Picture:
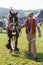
13	33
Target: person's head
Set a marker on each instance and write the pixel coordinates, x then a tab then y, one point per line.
30	15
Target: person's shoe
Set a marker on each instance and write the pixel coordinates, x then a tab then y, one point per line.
36	59
29	53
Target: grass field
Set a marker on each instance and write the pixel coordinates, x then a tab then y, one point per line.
21	59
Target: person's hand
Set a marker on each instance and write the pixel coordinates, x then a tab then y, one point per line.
39	35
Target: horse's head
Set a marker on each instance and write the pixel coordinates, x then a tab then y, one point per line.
13	14
13	19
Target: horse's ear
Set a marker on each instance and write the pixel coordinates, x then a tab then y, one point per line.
16	12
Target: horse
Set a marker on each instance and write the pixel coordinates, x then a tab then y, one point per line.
13	33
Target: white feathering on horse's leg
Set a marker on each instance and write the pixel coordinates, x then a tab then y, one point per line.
12	44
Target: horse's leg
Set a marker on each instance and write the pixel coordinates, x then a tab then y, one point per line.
9	40
16	42
10	44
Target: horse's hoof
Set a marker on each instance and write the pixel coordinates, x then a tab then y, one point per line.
16	52
10	51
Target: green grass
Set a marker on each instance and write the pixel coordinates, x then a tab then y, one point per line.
21	59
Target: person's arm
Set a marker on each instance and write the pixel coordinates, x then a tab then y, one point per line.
24	24
38	28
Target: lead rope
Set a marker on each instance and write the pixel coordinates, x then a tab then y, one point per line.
32	40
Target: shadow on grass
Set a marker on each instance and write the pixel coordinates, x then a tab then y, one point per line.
26	56
40	57
15	55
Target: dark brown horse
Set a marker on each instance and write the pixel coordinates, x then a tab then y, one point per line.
13	33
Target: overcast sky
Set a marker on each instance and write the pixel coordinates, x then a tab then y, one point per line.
22	4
